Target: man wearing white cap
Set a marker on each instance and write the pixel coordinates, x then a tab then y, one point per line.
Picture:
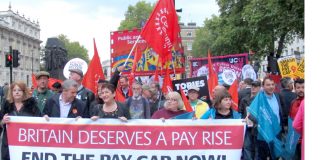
83	93
199	106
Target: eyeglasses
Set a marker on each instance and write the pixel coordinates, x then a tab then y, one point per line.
171	99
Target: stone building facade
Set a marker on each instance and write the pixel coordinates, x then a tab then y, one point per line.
22	34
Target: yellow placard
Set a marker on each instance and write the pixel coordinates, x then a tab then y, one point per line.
288	66
301	69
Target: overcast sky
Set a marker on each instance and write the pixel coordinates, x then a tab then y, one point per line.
83	20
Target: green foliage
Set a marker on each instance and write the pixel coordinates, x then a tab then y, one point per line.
74	49
245	25
136	15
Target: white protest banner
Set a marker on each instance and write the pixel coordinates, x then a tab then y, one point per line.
108	139
248	72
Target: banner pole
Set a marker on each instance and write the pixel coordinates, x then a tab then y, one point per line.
174	72
132	49
130	53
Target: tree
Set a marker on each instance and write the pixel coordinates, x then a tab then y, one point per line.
74	49
245	25
136	16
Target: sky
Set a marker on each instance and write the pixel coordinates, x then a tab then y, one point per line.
83	20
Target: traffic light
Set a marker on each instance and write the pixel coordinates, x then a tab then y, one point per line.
15	58
8	60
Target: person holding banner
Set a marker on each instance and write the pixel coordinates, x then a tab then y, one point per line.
66	105
222	108
138	106
83	94
110	108
173	106
18	103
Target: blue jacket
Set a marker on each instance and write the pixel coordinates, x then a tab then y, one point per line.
212	112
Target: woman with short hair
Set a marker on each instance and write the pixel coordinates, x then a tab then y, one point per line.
110	108
173	106
222	108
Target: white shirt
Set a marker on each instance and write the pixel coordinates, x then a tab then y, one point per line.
64	108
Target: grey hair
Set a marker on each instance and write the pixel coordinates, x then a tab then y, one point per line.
178	97
67	84
285	82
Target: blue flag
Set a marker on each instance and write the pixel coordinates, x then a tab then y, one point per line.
187	115
291	140
268	124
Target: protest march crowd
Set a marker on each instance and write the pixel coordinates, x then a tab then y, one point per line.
274	121
258	105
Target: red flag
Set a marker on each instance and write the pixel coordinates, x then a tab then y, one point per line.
213	77
167	82
185	101
162	29
34	81
94	72
119	95
137	57
233	90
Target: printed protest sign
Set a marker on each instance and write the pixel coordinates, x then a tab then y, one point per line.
106	139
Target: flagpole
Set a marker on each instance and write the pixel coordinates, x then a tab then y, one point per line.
132	49
174	72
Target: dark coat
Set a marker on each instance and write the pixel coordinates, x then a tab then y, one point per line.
243	93
52	108
29	109
287	97
86	96
121	111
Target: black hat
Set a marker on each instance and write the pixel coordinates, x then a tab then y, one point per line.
103	81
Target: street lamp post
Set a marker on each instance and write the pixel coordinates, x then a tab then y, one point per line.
32	61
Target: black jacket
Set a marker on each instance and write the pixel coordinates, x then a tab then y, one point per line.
243	93
29	109
86	96
52	108
287	97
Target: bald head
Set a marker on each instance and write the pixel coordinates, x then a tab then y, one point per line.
218	90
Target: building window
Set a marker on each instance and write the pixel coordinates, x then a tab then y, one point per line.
292	51
189	46
189	34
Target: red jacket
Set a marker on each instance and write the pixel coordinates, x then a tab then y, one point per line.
294	107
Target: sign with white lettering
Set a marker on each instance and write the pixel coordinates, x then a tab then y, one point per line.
106	139
186	84
235	62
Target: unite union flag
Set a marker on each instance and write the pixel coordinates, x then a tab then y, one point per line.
162	29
